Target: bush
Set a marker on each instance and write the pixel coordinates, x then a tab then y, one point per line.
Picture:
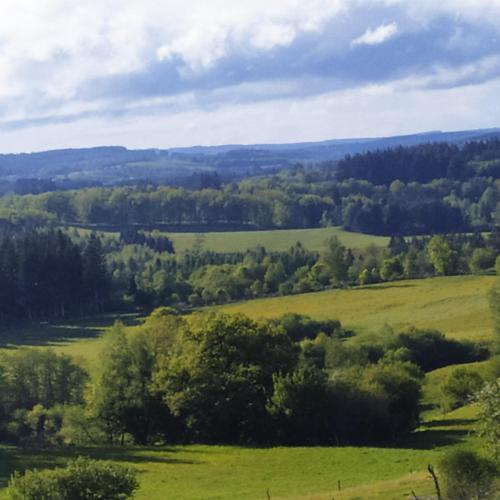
81	479
431	349
468	475
460	387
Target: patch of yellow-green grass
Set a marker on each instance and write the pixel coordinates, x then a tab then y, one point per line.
275	240
457	306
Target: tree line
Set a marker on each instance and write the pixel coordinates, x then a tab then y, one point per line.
426	189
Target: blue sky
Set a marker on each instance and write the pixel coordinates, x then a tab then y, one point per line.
177	73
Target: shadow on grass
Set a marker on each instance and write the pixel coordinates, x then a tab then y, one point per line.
20	459
56	332
429	439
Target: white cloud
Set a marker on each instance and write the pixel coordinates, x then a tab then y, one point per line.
51	49
373	110
376	36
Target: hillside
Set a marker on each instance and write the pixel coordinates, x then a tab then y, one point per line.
457	306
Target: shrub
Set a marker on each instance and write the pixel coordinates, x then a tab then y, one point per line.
460	387
467	475
81	479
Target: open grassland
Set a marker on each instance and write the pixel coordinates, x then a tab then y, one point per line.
457	306
277	240
294	473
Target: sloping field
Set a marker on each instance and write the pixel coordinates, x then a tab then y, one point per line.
457	306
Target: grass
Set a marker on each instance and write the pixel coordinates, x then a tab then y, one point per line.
298	473
80	338
457	306
223	472
277	240
272	240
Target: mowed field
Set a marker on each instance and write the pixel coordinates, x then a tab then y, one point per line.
276	240
456	305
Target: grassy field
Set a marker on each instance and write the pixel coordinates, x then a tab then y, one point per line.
283	239
293	473
223	472
272	240
457	306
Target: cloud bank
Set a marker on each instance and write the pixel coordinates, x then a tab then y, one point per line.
169	72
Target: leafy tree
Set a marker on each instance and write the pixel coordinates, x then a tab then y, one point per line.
441	256
459	388
120	396
391	269
482	260
220	375
337	260
489	416
299	404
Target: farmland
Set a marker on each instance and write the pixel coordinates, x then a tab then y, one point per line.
457	306
277	240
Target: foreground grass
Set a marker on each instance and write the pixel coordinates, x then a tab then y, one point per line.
457	306
198	472
276	240
294	473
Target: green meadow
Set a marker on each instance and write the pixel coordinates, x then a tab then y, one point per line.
275	240
224	472
456	305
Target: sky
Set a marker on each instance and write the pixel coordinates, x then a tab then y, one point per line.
169	73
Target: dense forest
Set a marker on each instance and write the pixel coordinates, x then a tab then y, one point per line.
425	189
43	274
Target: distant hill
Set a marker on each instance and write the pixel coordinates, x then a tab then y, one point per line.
118	165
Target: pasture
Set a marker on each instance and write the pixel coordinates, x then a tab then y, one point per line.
296	473
456	305
273	241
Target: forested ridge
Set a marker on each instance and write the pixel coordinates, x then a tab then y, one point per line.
426	189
